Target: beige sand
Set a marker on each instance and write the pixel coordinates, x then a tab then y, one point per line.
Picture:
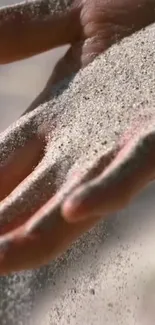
105	98
84	118
50	7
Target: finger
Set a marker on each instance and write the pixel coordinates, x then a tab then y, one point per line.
21	148
44	237
129	172
31	193
46	234
37	25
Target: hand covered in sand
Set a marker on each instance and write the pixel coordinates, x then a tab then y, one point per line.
55	165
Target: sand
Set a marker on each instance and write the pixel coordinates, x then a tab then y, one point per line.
99	103
85	117
37	8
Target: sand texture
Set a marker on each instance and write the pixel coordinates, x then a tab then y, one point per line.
90	112
86	116
38	8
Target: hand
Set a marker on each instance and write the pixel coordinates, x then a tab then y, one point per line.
90	27
37	161
130	170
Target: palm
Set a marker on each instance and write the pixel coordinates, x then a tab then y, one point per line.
51	151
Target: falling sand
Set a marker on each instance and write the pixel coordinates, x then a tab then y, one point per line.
85	117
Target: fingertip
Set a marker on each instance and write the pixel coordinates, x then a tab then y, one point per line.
13	247
68	211
73	210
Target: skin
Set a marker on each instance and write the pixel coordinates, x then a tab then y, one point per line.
49	225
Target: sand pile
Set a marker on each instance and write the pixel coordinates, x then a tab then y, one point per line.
103	101
85	117
88	113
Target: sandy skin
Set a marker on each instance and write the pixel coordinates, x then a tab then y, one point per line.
42	230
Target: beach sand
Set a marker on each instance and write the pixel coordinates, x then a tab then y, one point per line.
109	275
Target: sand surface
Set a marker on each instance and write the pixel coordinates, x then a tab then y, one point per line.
108	277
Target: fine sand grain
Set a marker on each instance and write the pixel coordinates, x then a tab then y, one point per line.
39	8
90	112
86	117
